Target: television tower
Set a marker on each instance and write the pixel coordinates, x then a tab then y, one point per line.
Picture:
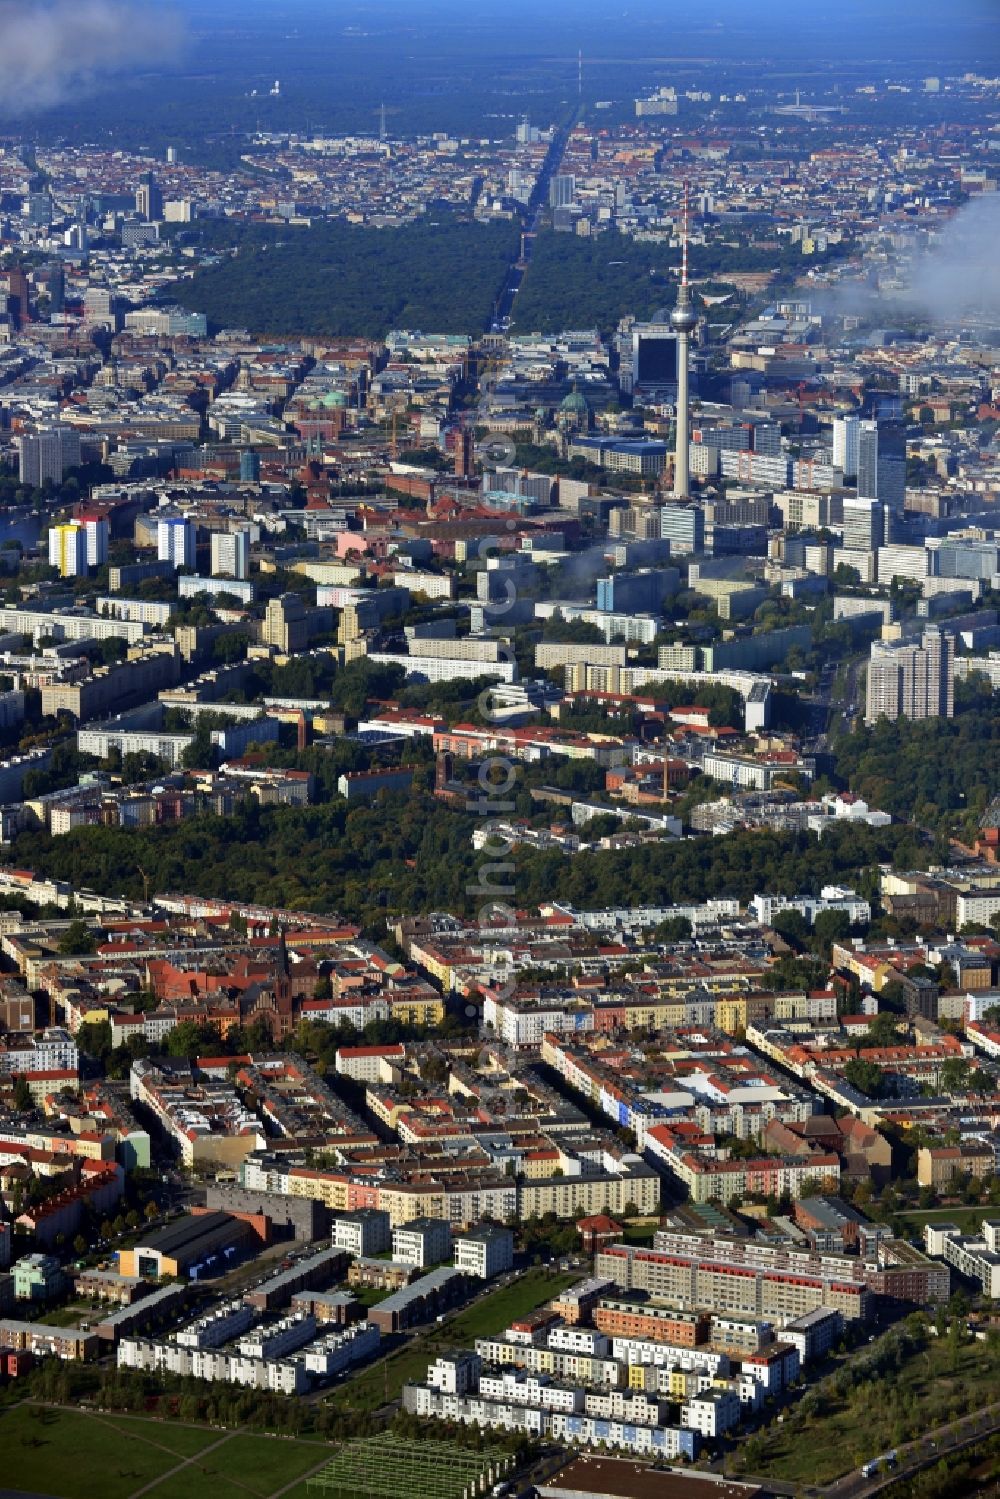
683	320
579	74
381	122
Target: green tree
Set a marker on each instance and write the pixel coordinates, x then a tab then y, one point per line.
865	1076
830	927
882	1030
77	939
189	1038
94	1039
955	1075
674	929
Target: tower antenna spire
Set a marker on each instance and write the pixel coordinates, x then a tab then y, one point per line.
684	242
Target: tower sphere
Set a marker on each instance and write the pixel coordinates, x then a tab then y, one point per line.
684	319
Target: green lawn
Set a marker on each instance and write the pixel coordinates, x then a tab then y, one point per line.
497	1311
244	1465
639	1233
78	1456
181	1439
384	1379
369	1295
71	1315
966	1219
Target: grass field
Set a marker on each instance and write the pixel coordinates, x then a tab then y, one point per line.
77	1455
494	1313
384	1379
181	1440
369	1295
639	1233
244	1465
966	1219
72	1314
929	1388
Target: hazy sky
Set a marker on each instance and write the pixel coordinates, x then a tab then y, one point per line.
61	51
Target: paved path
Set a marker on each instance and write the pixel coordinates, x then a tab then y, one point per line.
303	1476
185	1462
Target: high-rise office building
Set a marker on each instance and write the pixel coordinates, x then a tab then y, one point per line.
175	539
149	198
910	679
882	463
684	527
249	466
99	306
767	438
37	209
845	445
562	189
17	296
464	453
52	280
868	460
47	455
863	525
231	553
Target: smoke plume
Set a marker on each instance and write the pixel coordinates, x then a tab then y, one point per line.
951	281
52	52
957	276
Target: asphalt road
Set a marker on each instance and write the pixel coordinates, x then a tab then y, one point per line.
921	1454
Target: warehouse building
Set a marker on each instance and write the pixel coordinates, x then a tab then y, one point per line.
197	1245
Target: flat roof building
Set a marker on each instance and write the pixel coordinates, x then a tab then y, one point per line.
196	1244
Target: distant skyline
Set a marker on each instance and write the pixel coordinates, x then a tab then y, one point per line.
142	72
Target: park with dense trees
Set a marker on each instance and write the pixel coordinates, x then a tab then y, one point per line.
341	279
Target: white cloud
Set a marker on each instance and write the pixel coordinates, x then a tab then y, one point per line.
51	52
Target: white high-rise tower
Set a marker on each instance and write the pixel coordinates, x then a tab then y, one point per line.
846	436
683	320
